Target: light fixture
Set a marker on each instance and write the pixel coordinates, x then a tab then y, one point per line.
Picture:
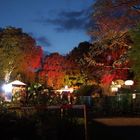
7	88
133	96
129	82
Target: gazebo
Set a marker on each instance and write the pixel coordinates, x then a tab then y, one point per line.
18	87
13	88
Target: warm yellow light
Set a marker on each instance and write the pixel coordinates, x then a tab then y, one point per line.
66	87
133	96
114	89
119	86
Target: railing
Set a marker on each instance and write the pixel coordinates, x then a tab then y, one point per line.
63	109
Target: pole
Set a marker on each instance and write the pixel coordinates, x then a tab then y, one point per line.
61	111
85	122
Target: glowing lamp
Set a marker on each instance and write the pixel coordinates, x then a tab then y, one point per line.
133	96
129	82
7	87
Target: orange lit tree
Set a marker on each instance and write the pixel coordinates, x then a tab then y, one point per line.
109	61
53	71
19	55
109	53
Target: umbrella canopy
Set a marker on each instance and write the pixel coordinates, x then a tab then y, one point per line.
18	83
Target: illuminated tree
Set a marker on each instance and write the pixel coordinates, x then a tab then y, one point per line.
108	56
108	60
53	70
112	17
73	75
134	53
82	73
19	54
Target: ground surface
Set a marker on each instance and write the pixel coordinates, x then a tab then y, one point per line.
119	121
114	129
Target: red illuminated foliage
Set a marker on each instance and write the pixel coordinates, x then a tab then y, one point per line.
54	70
112	21
107	78
108	60
37	57
19	54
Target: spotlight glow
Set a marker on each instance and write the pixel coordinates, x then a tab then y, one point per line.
7	88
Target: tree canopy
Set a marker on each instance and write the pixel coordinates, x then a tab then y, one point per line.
53	70
134	53
19	54
108	56
114	16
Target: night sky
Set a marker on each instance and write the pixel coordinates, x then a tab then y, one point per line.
57	25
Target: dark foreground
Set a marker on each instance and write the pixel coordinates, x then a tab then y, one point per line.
98	129
115	129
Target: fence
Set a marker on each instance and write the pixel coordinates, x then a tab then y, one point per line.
121	104
125	104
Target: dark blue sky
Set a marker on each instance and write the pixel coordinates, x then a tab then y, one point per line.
57	25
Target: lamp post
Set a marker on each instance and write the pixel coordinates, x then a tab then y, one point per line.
129	83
